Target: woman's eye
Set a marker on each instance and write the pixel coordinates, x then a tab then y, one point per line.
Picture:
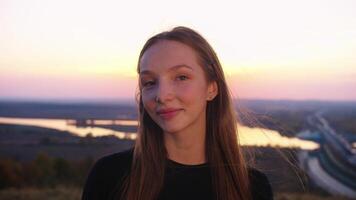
148	83
182	77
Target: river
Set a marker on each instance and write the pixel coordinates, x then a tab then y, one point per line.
247	136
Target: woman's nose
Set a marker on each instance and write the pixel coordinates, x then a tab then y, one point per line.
165	92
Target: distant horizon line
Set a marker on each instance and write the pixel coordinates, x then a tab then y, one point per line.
132	101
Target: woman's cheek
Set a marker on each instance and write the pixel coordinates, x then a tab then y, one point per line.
147	98
187	92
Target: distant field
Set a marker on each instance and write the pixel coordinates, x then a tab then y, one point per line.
26	142
67	110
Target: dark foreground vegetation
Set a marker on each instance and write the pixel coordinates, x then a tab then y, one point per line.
43	171
60	179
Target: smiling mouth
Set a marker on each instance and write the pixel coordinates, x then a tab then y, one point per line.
169	115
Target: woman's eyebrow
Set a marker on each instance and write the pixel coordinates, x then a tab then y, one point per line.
174	68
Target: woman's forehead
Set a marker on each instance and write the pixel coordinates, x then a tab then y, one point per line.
168	54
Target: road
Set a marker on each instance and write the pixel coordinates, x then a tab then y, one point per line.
312	165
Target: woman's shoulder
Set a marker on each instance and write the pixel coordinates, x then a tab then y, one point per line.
122	159
116	161
105	174
260	185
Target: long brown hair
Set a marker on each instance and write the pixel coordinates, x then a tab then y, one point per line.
228	167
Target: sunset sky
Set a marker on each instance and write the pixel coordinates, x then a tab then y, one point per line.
87	50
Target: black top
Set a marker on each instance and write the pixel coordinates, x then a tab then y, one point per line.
181	181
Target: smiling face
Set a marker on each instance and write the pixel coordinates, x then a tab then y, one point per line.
173	86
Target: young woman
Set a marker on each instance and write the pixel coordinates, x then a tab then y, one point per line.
187	146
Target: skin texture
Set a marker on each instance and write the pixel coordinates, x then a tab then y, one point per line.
171	77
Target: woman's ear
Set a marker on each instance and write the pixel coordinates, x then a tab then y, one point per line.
212	91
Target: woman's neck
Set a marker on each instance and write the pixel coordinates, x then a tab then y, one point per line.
186	147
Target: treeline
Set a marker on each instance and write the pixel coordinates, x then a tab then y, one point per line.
43	171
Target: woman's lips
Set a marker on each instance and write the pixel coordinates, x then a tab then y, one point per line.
168	114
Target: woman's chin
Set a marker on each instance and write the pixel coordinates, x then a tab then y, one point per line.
170	129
